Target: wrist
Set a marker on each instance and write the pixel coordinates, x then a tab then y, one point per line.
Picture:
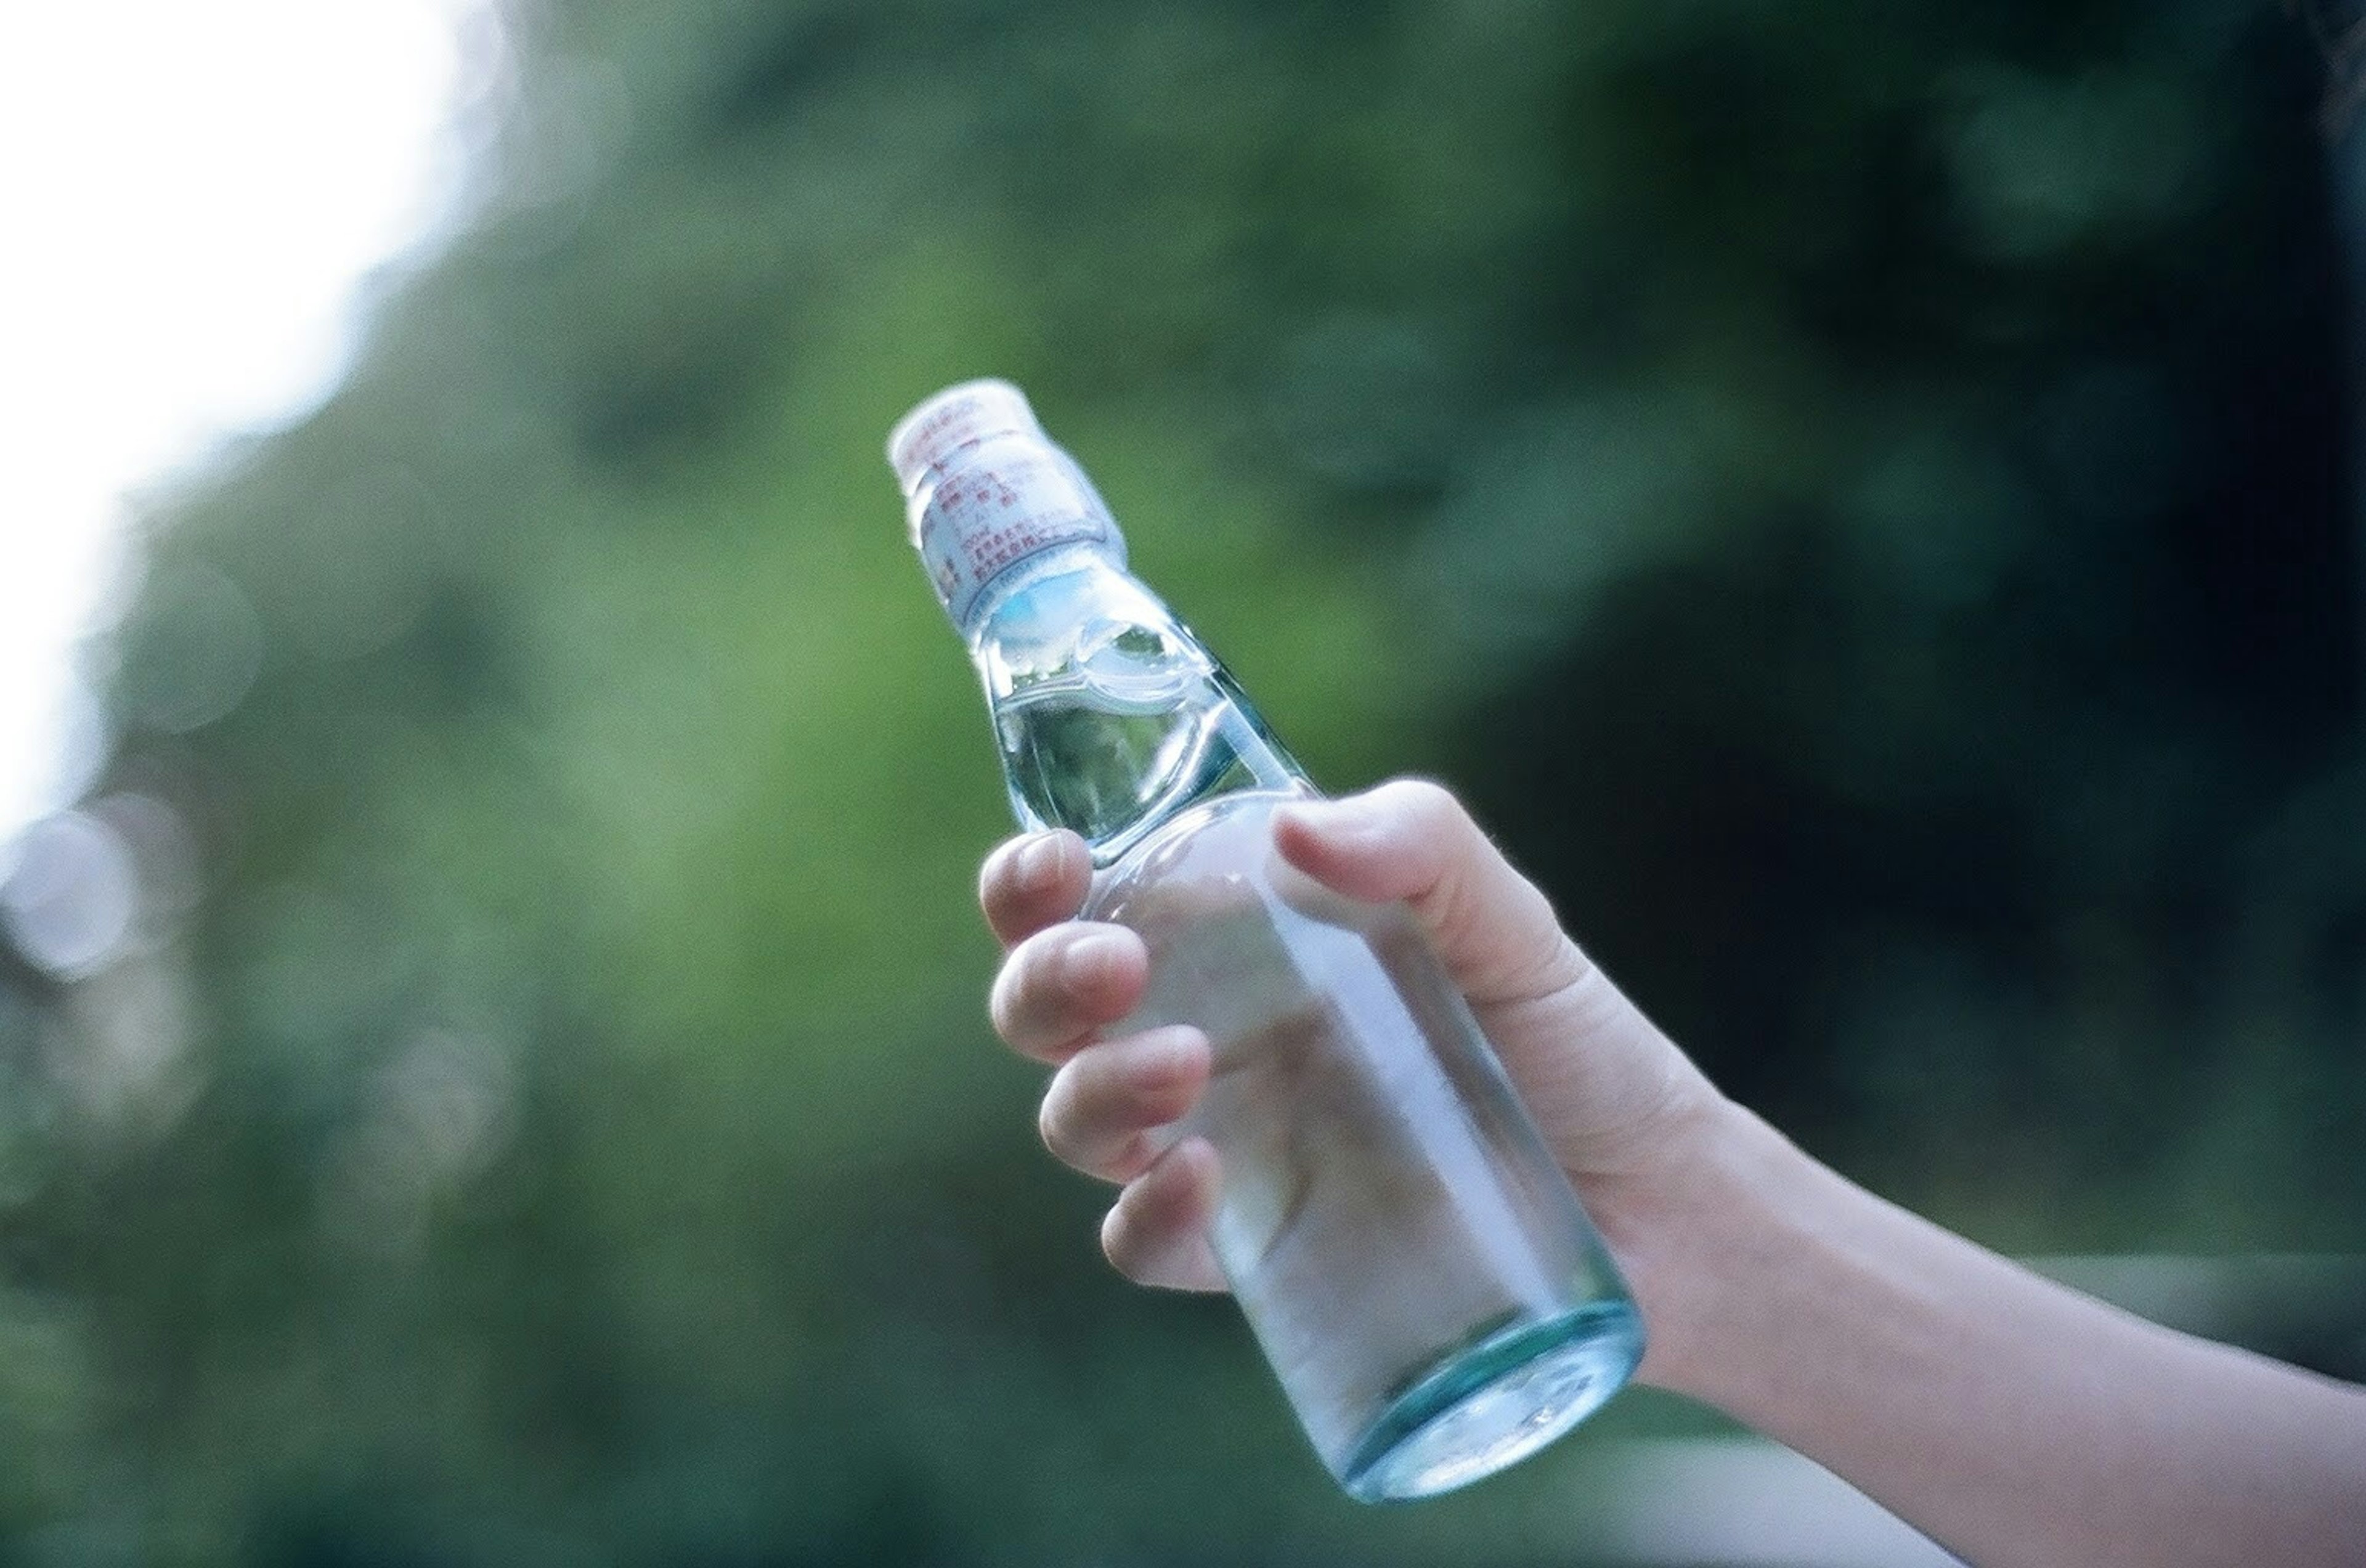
1690	1233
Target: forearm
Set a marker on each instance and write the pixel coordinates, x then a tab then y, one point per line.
2015	1421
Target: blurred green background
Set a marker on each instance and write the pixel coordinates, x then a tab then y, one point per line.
1860	497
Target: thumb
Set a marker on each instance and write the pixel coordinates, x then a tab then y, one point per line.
1411	841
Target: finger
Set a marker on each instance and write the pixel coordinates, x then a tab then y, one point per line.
1034	881
1157	1232
1106	1107
1412	841
1060	985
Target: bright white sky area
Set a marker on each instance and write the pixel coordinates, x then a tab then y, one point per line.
189	195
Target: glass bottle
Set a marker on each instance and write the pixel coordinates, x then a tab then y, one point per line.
1410	1256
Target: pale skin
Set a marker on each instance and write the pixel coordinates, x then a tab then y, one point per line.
2013	1420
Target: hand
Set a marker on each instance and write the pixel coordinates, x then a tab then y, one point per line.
1616	1100
2021	1422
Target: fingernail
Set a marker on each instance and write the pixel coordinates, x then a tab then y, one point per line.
1039	861
1337	820
1091	960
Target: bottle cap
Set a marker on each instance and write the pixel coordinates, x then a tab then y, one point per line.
956	418
985	490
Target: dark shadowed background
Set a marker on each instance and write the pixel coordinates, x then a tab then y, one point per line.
1861	498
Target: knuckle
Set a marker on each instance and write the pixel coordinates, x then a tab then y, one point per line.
1428	805
1426	796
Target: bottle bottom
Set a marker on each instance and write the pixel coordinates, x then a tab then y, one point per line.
1494	1403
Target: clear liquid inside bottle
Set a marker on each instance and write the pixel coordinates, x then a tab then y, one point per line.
1409	1255
1111	716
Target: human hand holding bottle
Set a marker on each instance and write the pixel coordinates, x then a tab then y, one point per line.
1618	1102
2014	1420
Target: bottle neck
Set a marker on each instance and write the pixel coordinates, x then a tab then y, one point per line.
1112	718
1017	608
1073	615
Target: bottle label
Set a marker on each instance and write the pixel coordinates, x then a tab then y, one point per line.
986	517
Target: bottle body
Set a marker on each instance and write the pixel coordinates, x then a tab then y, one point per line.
1410	1256
1412	1260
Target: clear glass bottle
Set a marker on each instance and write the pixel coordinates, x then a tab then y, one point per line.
1410	1256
